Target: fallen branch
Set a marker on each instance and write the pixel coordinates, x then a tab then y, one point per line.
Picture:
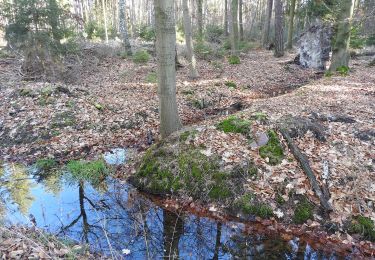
304	162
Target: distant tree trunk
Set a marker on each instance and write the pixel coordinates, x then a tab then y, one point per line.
240	7
226	32
279	29
291	24
340	53
165	49
105	21
200	18
189	41
267	24
123	27
234	27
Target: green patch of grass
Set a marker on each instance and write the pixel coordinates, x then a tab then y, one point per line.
248	206
63	119
364	226
230	84
141	56
273	149
203	50
199	103
185	135
234	124
233	60
92	171
46	164
123	55
152	77
279	199
303	212
217	65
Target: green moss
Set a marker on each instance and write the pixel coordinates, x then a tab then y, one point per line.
303	212
26	92
99	106
187	92
343	70
218	192
364	226
185	135
46	164
93	171
259	116
273	149
141	56
152	77
230	84
248	206
279	199
233	60
234	124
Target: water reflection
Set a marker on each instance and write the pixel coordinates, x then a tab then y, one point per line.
116	220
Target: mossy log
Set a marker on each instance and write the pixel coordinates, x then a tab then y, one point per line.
304	162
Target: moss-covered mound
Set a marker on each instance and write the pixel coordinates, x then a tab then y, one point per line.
177	167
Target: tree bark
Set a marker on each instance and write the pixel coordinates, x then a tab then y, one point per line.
234	27
200	18
123	27
240	7
165	49
226	32
189	41
279	29
267	24
291	24
105	21
340	53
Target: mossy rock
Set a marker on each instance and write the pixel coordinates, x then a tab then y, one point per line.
273	149
176	167
363	226
234	124
303	211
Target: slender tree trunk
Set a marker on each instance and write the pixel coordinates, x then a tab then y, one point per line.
226	32
291	24
240	7
165	49
189	41
267	24
105	21
340	53
200	18
279	29
234	27
123	27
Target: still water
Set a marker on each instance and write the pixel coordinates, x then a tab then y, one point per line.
115	220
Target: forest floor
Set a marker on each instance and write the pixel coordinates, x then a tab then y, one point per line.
113	104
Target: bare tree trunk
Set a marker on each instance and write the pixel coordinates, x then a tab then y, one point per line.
200	18
105	21
291	24
240	6
279	29
234	27
189	41
123	27
226	32
267	24
165	49
340	53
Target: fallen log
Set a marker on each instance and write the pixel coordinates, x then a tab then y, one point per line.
304	162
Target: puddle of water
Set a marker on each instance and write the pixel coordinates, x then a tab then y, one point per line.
116	220
116	156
